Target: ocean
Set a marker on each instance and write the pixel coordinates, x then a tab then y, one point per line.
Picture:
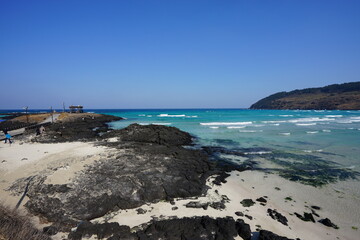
315	147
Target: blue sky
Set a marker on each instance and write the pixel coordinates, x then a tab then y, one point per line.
172	54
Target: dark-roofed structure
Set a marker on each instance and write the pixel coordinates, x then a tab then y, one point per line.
76	109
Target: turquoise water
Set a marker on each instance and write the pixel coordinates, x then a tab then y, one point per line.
312	136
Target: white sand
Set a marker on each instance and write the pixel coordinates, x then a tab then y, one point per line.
59	162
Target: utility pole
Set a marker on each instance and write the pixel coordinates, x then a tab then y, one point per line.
52	116
26	112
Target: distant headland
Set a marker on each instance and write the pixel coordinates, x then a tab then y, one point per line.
344	96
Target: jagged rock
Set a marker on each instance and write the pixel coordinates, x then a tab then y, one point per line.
100	230
197	205
240	214
328	223
217	205
307	217
267	235
199	228
249	217
247	202
262	200
316	207
277	216
158	134
315	213
221	178
243	229
79	129
144	173
141	211
50	230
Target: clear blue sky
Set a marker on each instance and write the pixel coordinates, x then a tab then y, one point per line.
172	54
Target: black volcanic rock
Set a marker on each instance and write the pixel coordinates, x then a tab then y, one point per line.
267	235
87	128
247	202
199	228
277	216
158	134
327	222
336	96
100	230
134	174
261	199
307	217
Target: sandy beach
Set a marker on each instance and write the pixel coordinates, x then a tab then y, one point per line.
60	162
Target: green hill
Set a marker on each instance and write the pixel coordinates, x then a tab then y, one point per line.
344	96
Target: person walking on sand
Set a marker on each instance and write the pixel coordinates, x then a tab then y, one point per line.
8	138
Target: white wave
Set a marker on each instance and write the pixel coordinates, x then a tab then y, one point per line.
161	123
250	131
275	124
305	124
257	125
141	115
285	134
319	111
313	119
149	115
286	115
351	128
225	123
168	115
311	132
195	116
311	151
214	127
258	153
326	130
281	121
231	127
334	116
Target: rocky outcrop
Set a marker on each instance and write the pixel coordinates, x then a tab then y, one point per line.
327	222
337	96
134	173
277	216
205	228
86	128
152	134
267	235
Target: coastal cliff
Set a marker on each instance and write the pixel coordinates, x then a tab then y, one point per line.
333	97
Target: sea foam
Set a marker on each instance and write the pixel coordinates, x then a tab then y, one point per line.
225	123
168	115
305	124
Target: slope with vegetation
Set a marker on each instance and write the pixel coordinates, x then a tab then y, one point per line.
333	97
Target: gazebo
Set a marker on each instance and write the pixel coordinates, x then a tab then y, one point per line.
76	109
